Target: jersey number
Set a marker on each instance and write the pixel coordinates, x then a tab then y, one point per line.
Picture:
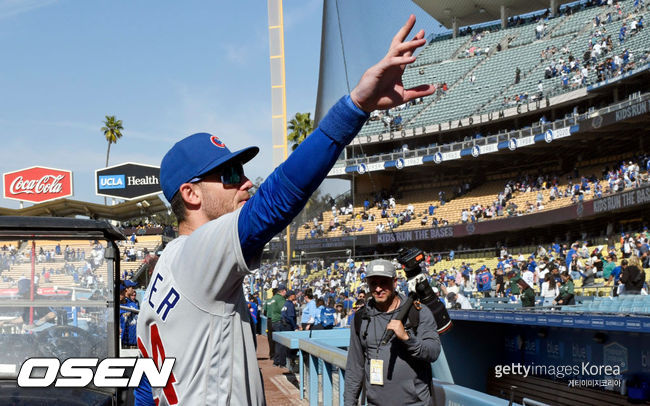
158	355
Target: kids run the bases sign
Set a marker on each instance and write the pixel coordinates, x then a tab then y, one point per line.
37	184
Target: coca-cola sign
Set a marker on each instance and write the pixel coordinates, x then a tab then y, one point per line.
37	184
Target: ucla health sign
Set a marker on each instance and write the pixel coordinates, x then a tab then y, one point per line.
112	182
128	181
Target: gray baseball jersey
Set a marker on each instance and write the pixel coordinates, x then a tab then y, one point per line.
194	310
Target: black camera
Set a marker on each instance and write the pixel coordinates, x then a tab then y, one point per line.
412	259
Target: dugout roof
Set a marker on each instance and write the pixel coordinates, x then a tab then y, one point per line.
470	12
68	208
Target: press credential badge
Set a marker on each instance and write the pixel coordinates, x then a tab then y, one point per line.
377	372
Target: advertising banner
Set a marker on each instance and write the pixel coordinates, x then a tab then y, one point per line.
128	181
37	184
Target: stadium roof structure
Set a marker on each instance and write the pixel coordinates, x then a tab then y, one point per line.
470	12
67	208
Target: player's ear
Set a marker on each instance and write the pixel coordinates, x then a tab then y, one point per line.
191	194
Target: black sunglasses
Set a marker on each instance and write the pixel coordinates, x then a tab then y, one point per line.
232	174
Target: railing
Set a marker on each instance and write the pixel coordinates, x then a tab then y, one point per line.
507	136
460	145
325	361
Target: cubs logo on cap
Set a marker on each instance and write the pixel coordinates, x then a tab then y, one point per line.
217	142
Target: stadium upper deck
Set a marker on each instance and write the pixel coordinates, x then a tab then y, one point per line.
478	72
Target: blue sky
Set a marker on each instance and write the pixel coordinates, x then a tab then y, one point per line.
166	68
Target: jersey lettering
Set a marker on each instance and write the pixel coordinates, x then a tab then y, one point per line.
158	355
168	303
153	289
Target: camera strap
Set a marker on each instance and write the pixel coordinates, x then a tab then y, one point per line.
412	322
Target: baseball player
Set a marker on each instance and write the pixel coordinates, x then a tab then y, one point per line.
194	309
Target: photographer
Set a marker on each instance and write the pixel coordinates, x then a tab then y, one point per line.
398	372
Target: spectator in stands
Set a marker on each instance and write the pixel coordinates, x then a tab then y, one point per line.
608	267
566	294
500	289
484	281
622	33
130	318
458	301
549	290
527	295
528	275
513	280
451	285
539	29
518	75
576	266
464	216
589	274
633	276
341	316
626	246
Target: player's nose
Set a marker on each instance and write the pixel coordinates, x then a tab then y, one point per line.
246	184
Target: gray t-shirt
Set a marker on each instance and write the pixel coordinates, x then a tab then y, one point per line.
195	304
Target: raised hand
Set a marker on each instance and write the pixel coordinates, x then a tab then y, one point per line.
381	86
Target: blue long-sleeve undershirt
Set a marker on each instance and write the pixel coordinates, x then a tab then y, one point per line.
286	191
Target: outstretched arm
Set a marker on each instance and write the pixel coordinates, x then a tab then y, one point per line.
285	192
381	86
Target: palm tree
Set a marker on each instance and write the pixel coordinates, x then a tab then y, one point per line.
300	126
112	131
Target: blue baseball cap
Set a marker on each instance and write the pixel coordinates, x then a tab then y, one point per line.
195	156
127	284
